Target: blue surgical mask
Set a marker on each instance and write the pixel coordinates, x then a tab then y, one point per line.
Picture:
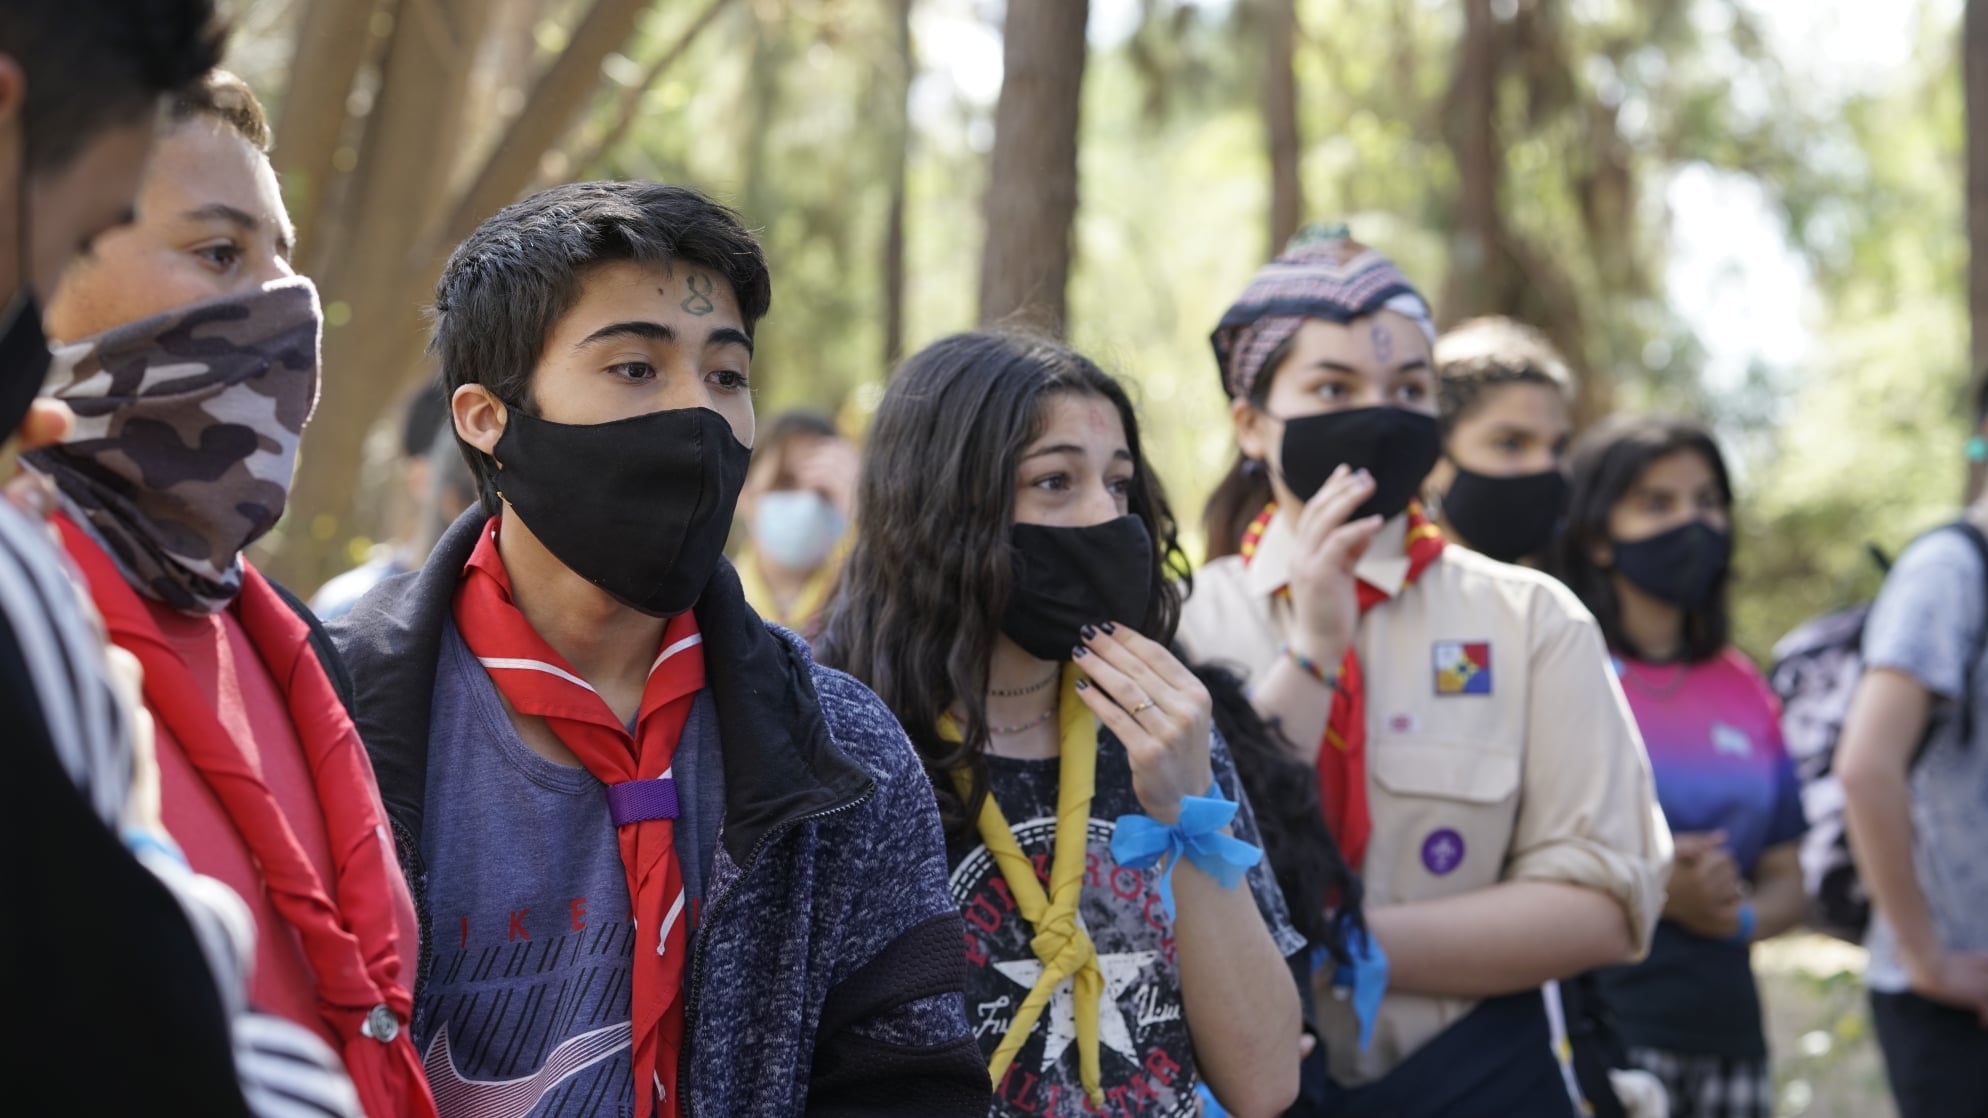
796	528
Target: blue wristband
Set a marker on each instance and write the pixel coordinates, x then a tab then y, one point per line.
1140	841
1747	924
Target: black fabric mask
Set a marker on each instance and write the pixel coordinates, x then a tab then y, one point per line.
24	360
1683	566
1397	446
639	507
1507	518
1067	578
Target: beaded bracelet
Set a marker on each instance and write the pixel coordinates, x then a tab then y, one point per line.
1311	667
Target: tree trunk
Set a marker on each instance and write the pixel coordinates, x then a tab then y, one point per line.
1470	126
1974	75
1031	201
899	172
1280	116
333	39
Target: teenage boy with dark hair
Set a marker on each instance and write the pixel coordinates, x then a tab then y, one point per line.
1913	759
668	864
103	948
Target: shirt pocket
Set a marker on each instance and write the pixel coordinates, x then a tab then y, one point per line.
1443	814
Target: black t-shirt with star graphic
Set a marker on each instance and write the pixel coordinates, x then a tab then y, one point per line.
1146	1059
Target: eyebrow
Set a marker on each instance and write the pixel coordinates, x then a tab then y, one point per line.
1119	455
656	331
1412	365
286	237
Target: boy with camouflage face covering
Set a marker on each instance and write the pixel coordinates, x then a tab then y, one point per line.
189	353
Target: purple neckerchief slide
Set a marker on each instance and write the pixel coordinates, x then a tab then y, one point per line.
638	801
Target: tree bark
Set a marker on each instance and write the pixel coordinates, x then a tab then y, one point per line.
1280	116
1031	201
333	39
1974	76
899	172
1470	127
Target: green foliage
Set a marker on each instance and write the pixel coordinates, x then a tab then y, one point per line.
788	110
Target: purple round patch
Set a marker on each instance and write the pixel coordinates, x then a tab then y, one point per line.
1442	851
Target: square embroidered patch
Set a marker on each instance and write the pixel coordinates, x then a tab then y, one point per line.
1463	667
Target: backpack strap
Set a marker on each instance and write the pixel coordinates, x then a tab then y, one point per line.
334	664
1965	703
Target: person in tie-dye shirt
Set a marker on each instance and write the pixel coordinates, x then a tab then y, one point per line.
1649	548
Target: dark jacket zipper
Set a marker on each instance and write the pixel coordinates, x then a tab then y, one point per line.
688	1099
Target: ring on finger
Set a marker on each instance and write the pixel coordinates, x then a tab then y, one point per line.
1143	704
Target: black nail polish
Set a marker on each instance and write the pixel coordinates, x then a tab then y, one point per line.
1077	652
1083	685
1109	626
1088	632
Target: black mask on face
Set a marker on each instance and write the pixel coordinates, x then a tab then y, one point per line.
1682	566
1507	518
1397	446
639	507
1067	578
24	360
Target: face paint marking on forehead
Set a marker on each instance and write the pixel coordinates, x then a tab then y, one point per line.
1383	341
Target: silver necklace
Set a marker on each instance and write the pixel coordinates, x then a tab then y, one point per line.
1010	731
1030	689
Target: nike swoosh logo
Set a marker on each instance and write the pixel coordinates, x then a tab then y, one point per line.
459	1097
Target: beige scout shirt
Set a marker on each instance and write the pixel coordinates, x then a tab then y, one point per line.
1528	768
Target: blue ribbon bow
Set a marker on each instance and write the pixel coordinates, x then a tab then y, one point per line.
1140	841
1364	979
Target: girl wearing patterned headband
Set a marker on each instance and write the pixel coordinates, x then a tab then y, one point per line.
1475	758
1010	596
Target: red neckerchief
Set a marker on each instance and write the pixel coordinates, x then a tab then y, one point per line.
536	680
351	942
1342	755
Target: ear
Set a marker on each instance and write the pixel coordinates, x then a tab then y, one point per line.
1602	554
479	417
1256	433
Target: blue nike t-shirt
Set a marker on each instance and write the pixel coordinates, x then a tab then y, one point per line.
525	1011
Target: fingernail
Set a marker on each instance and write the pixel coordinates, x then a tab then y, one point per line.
1089	632
1109	626
1083	685
1363	475
1077	652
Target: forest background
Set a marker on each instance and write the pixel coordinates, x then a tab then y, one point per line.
1743	210
1756	212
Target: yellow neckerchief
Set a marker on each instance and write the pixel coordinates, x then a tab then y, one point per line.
806	605
1060	941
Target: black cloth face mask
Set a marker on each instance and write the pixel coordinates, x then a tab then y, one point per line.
639	507
24	361
1067	578
1397	446
1683	566
1507	518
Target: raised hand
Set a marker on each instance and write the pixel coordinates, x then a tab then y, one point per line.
1156	708
1323	596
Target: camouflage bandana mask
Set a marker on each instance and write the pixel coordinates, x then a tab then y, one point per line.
187	426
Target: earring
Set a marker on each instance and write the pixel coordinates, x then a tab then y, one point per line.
1977	449
1254	469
